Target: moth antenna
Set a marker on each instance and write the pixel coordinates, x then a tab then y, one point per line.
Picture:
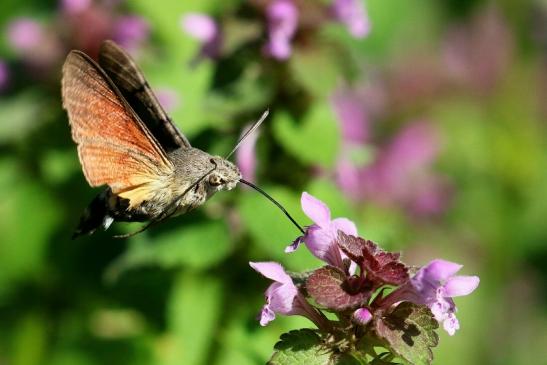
275	202
170	210
249	132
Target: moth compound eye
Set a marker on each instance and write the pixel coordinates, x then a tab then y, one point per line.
215	180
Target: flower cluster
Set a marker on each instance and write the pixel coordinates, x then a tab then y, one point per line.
286	23
376	298
43	45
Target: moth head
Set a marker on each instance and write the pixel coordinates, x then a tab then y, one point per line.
225	175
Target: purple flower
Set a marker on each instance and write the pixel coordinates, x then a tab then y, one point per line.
282	24
74	6
362	316
435	285
24	34
130	31
203	28
283	297
320	237
352	13
4	75
401	172
246	156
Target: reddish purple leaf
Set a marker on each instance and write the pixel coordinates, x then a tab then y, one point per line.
330	287
352	246
381	266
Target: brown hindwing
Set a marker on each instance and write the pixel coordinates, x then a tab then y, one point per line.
114	146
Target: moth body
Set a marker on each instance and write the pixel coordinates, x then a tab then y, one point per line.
127	142
190	185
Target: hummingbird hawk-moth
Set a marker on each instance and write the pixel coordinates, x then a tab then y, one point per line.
126	141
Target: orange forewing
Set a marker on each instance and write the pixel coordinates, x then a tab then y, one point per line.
114	146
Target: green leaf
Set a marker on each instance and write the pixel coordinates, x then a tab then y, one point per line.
305	347
29	340
314	140
409	331
300	347
198	245
168	70
316	68
194	309
29	219
20	116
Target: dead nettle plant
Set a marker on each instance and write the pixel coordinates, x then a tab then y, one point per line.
369	307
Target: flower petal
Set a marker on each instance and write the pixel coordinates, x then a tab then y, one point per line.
281	297
362	316
451	324
271	270
352	13
266	315
200	26
344	225
282	24
294	245
319	241
316	210
460	285
439	270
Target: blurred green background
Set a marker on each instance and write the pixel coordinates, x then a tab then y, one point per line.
429	133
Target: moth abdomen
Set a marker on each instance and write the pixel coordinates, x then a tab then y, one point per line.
95	215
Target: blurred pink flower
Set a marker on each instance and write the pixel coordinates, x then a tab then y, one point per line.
351	112
24	34
38	47
130	31
353	14
74	6
477	54
246	155
203	28
200	26
400	172
403	167
282	24
169	99
4	75
283	297
320	237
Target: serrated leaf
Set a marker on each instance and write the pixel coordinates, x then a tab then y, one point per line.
381	266
345	359
300	347
409	331
328	286
353	248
